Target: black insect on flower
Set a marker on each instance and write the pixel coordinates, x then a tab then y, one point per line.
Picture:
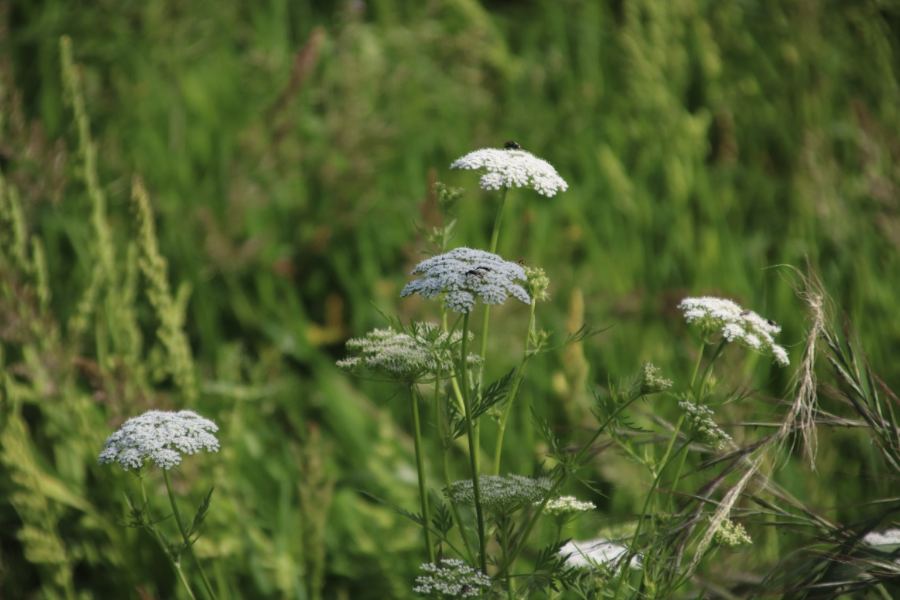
511	145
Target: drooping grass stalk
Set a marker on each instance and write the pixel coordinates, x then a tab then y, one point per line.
162	545
520	374
188	544
420	470
473	449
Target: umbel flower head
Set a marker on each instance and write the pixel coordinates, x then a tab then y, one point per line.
406	356
512	167
597	553
565	509
718	315
500	495
161	437
889	537
463	275
451	578
566	505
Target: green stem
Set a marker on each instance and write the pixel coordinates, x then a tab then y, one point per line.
702	384
473	450
658	476
557	485
504	540
455	509
697	365
656	480
495	234
445	451
498	449
188	544
495	237
420	470
156	536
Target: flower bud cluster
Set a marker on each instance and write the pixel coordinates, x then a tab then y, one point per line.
650	380
732	534
702	426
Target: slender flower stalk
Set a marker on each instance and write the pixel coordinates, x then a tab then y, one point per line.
188	543
420	471
157	536
514	389
485	321
473	449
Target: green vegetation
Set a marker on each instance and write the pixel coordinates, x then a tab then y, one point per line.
201	202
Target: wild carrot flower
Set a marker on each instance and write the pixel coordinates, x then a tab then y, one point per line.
500	495
889	537
512	167
452	578
699	421
161	437
406	356
566	509
732	534
596	553
464	274
566	505
718	315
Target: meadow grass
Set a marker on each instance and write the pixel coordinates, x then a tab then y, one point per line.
200	206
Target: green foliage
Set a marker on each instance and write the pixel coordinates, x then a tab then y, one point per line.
282	158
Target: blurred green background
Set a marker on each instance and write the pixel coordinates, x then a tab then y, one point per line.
289	149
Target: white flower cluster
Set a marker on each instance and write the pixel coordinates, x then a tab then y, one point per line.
702	426
501	495
160	436
451	578
406	357
718	315
512	168
732	534
596	553
566	505
463	274
888	537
